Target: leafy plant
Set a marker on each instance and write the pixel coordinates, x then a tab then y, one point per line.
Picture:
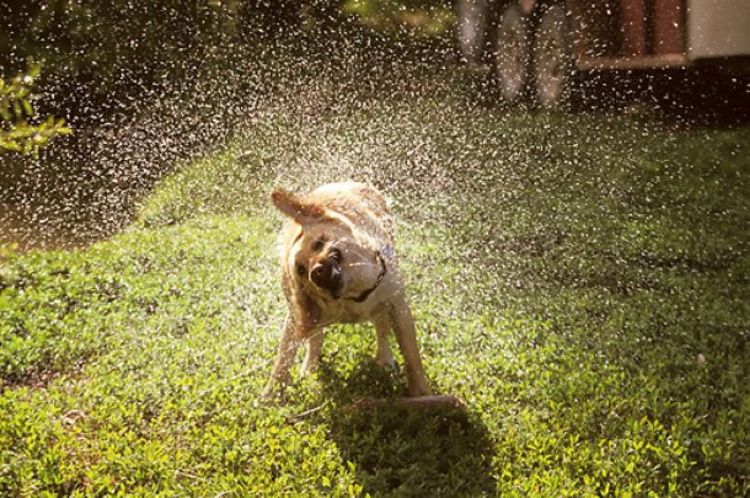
21	130
587	298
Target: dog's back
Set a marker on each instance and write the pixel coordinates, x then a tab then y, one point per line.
360	204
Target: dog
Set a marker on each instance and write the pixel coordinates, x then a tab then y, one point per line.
338	266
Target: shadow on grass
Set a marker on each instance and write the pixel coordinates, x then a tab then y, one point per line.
407	450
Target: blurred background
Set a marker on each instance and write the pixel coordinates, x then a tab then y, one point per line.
128	88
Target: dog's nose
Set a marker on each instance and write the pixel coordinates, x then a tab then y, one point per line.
326	275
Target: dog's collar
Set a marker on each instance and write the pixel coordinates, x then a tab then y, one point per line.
361	298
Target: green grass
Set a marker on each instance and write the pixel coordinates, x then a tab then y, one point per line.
580	281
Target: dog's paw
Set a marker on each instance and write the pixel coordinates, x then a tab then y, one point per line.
418	388
273	392
386	360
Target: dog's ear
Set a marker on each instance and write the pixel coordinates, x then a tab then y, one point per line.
304	213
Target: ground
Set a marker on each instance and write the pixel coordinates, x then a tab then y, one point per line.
581	281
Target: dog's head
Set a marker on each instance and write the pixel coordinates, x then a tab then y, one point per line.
326	252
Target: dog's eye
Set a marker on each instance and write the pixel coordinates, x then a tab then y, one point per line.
301	270
318	245
336	255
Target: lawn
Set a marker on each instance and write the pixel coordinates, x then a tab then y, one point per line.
581	281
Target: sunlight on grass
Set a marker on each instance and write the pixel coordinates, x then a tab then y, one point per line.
587	298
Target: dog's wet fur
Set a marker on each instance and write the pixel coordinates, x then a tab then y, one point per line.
338	266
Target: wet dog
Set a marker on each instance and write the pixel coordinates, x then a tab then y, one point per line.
338	266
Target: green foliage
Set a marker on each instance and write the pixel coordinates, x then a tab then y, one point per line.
21	130
420	17
587	298
108	53
99	52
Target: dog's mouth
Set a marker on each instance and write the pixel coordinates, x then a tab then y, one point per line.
327	276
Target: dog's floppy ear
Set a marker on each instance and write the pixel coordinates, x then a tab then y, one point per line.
302	212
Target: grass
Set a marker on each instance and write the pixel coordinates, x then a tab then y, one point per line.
580	281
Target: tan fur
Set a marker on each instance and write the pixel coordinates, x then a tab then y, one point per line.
337	266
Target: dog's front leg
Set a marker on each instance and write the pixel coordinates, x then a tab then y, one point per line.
314	347
288	345
384	356
403	326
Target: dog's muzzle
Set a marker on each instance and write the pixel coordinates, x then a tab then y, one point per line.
327	275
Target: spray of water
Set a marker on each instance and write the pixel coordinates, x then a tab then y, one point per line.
535	245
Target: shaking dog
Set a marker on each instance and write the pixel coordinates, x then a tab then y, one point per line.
338	266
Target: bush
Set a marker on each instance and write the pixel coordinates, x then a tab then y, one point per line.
21	130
